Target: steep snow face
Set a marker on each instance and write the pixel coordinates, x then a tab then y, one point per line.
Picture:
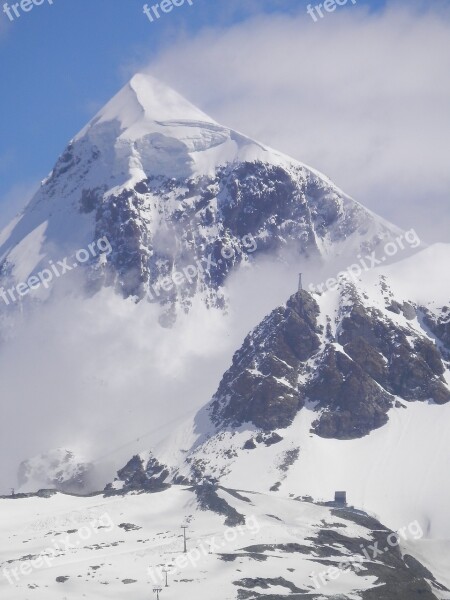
171	189
345	390
142	104
152	130
240	544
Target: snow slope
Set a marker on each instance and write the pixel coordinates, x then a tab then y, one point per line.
111	547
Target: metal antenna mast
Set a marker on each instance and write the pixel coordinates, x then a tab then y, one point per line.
184	527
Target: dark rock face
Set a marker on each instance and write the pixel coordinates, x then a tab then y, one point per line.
439	325
352	376
241	200
406	309
374	363
120	217
251	208
402	577
138	476
259	582
208	499
379	557
261	385
269	440
383	351
354	404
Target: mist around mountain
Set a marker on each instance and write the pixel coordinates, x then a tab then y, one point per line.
178	226
162	365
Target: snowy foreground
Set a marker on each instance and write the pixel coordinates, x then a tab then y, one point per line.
66	547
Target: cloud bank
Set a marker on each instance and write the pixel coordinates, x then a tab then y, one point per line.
361	96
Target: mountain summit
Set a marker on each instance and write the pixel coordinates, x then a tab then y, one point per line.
145	100
170	188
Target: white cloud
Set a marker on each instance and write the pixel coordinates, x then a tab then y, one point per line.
362	97
100	377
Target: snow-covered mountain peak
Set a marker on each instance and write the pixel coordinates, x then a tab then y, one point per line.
149	129
162	103
170	188
143	105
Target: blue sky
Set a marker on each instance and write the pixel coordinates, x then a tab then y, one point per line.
60	63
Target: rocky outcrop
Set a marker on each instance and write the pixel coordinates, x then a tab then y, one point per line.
253	208
406	365
209	499
261	385
439	325
351	402
352	373
140	474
